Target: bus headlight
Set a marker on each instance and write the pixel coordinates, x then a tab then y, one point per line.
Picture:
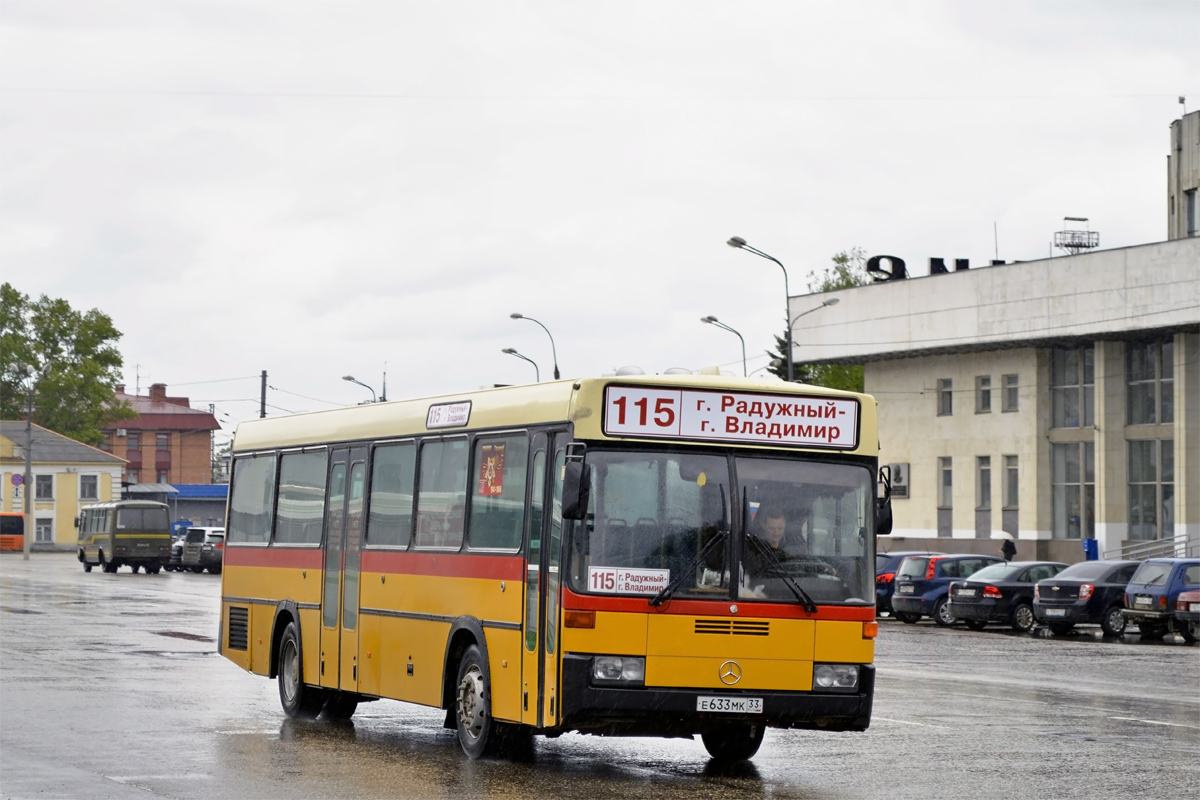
835	676
625	670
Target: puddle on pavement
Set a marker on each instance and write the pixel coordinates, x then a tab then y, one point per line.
20	610
191	637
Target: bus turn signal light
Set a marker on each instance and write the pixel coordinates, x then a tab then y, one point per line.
580	619
870	630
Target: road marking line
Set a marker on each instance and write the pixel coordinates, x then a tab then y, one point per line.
905	722
1157	722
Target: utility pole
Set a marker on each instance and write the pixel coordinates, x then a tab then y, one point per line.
262	403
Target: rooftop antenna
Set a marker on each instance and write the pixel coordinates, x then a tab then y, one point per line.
1076	241
383	394
1183	102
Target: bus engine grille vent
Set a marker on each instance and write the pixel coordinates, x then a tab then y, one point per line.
239	628
736	627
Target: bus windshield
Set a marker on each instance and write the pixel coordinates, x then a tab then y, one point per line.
749	528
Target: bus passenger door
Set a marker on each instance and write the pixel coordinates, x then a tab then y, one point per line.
551	559
339	597
531	696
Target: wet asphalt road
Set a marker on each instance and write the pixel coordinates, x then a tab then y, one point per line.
110	688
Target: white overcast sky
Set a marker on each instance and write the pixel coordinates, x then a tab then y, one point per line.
319	188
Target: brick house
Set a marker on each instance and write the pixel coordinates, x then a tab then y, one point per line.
168	442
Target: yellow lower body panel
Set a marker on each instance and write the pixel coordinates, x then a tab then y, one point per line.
705	673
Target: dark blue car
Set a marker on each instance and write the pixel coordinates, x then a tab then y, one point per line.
1153	591
923	585
1090	592
1001	593
886	565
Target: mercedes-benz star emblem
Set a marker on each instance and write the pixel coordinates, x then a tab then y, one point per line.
730	673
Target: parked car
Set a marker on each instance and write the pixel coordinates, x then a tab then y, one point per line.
1089	592
1153	593
1187	615
203	549
1001	593
923	585
886	565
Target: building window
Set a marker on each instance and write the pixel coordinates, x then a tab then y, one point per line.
983	394
1073	490
945	397
1008	393
89	487
133	442
43	487
163	476
1192	209
43	530
162	441
1012	485
106	445
1150	382
945	483
983	488
131	476
1072	390
1152	489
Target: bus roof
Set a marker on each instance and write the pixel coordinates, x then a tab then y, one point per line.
580	401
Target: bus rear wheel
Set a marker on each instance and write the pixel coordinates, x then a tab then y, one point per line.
340	705
87	565
299	700
733	741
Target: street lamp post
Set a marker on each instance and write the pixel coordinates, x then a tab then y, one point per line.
537	373
833	301
352	379
740	243
27	485
711	320
553	352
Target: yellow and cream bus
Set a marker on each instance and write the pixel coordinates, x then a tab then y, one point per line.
651	555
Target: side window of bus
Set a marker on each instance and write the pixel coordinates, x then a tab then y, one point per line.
498	502
442	493
251	501
301	504
389	520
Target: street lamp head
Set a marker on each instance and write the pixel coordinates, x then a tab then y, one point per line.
833	301
509	351
348	378
736	241
516	316
710	319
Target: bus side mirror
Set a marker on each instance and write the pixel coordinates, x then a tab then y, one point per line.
577	486
77	522
883	503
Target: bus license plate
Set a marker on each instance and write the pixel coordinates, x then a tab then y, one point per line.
730	705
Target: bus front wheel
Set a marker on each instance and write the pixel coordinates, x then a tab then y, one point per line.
299	700
733	741
478	733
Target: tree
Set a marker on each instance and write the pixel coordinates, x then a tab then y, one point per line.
77	353
848	269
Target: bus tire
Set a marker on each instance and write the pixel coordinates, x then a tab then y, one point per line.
478	734
134	567
299	700
735	741
87	565
107	566
340	706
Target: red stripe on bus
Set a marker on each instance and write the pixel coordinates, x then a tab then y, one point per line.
284	557
714	608
451	565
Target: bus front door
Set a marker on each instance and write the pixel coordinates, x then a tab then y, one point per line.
539	668
343	543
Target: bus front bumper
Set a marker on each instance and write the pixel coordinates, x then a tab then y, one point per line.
650	711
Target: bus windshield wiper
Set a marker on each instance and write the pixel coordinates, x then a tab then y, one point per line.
777	567
665	593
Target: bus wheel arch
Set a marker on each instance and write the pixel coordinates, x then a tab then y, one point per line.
285	612
464	632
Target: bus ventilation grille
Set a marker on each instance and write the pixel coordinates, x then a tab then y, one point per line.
239	628
735	627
